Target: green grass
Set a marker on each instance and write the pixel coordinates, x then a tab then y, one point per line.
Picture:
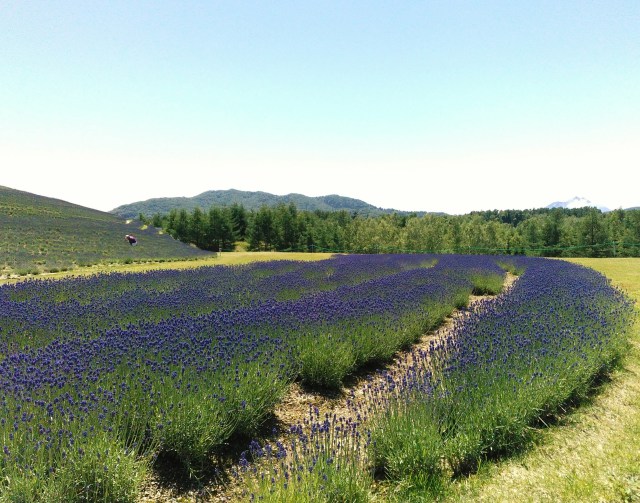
325	360
487	284
105	472
592	454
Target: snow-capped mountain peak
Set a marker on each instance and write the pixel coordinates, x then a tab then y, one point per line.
576	202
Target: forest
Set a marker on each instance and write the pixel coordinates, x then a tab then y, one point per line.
556	232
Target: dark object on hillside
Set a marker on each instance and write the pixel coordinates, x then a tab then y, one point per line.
131	239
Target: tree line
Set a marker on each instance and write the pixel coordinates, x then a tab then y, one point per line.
557	232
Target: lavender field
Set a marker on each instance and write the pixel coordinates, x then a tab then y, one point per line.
508	366
102	375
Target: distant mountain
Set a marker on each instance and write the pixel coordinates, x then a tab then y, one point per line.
577	202
251	201
43	234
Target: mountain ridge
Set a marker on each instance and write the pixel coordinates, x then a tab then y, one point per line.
252	200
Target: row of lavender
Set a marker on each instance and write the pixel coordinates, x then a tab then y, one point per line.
100	374
70	309
508	365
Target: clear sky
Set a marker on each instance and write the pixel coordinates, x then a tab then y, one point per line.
444	105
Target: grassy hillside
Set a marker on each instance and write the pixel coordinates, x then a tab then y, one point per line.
40	234
250	200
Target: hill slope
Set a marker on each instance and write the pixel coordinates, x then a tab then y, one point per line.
250	200
40	234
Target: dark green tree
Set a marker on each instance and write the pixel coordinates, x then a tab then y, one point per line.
286	219
551	232
632	233
593	237
181	228
263	234
158	221
239	220
220	235
197	229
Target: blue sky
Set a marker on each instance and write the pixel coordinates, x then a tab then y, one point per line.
434	105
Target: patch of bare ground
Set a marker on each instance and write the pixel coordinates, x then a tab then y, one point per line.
166	485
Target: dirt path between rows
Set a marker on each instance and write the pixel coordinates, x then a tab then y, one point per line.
167	487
